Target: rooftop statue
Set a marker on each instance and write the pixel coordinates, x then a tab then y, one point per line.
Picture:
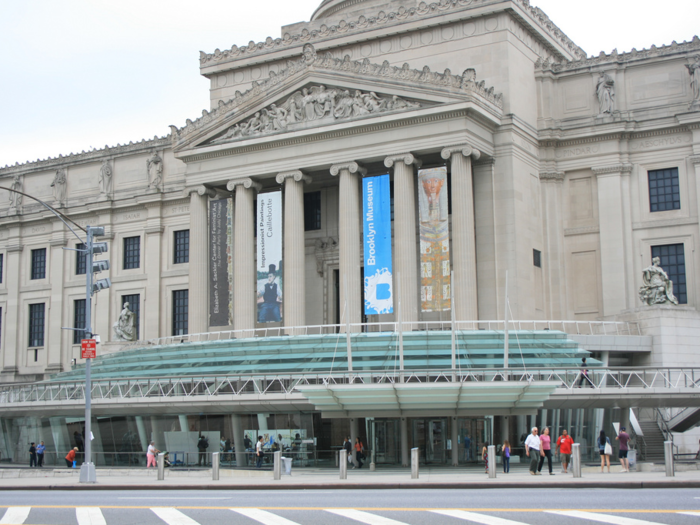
658	288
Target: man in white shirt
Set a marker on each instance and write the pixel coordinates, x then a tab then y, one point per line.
533	449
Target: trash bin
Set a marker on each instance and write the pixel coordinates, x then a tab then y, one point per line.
287	465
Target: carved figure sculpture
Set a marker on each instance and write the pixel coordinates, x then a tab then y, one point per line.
125	327
59	186
16	198
155	170
605	89
105	178
694	70
658	288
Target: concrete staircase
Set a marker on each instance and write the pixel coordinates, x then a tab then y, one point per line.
654	440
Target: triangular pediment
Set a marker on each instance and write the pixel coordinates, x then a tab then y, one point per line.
314	92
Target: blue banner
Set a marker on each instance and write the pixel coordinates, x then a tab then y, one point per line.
376	222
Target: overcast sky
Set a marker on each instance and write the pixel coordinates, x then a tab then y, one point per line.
77	74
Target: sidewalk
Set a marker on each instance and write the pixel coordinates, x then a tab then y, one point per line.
304	479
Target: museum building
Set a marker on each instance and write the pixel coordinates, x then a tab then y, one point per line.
335	238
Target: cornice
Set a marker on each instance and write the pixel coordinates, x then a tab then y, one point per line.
665	223
465	149
352	167
560	142
363	24
581	231
406	158
247	183
296	175
616	168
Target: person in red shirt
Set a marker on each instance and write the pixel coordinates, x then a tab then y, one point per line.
70	458
564	448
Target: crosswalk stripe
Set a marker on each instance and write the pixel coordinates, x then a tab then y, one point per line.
602	518
264	517
15	515
476	518
696	514
364	517
89	516
173	516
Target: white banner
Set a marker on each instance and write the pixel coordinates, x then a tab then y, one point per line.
269	269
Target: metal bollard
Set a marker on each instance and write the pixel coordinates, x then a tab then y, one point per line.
668	456
576	460
372	465
492	461
277	466
414	463
161	466
343	462
215	466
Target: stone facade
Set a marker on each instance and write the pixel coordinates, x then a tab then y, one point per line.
542	155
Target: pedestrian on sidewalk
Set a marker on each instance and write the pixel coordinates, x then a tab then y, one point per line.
70	457
347	447
40	454
532	450
624	439
564	447
546	451
506	457
605	449
151	454
359	452
259	453
485	456
32	454
202	446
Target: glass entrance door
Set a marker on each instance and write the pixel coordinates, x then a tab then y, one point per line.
473	433
384	440
429	437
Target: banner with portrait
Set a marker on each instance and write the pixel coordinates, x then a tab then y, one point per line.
434	240
221	262
376	221
269	267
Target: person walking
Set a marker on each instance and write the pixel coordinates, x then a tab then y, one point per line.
151	455
485	456
40	449
359	452
605	449
532	450
546	451
506	457
259	453
564	448
32	454
584	374
70	457
624	439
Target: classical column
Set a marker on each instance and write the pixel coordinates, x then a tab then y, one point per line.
55	312
349	242
294	298
551	183
15	340
611	214
152	267
463	236
198	307
405	243
244	247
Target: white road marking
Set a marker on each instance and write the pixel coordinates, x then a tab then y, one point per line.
476	518
264	517
364	517
89	516
173	516
156	497
602	518
15	515
696	514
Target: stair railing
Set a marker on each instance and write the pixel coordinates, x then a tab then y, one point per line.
666	430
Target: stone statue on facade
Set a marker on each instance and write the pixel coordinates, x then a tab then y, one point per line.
658	288
59	186
105	178
16	198
125	327
605	90
155	171
694	70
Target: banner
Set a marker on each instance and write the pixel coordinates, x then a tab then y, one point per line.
434	240
376	220
269	269
221	262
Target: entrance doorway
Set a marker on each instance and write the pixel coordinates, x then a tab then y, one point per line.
429	437
384	439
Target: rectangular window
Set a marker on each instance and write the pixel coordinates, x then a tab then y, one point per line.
39	263
312	211
132	252
537	258
180	311
182	247
1	266
672	258
134	301
36	324
664	193
80	262
0	325
78	320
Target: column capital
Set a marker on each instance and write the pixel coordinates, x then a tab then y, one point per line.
464	149
297	175
247	183
616	168
201	190
406	158
695	159
352	167
552	176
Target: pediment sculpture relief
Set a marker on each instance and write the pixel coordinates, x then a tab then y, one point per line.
315	103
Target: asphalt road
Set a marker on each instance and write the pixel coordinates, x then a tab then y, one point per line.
348	507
